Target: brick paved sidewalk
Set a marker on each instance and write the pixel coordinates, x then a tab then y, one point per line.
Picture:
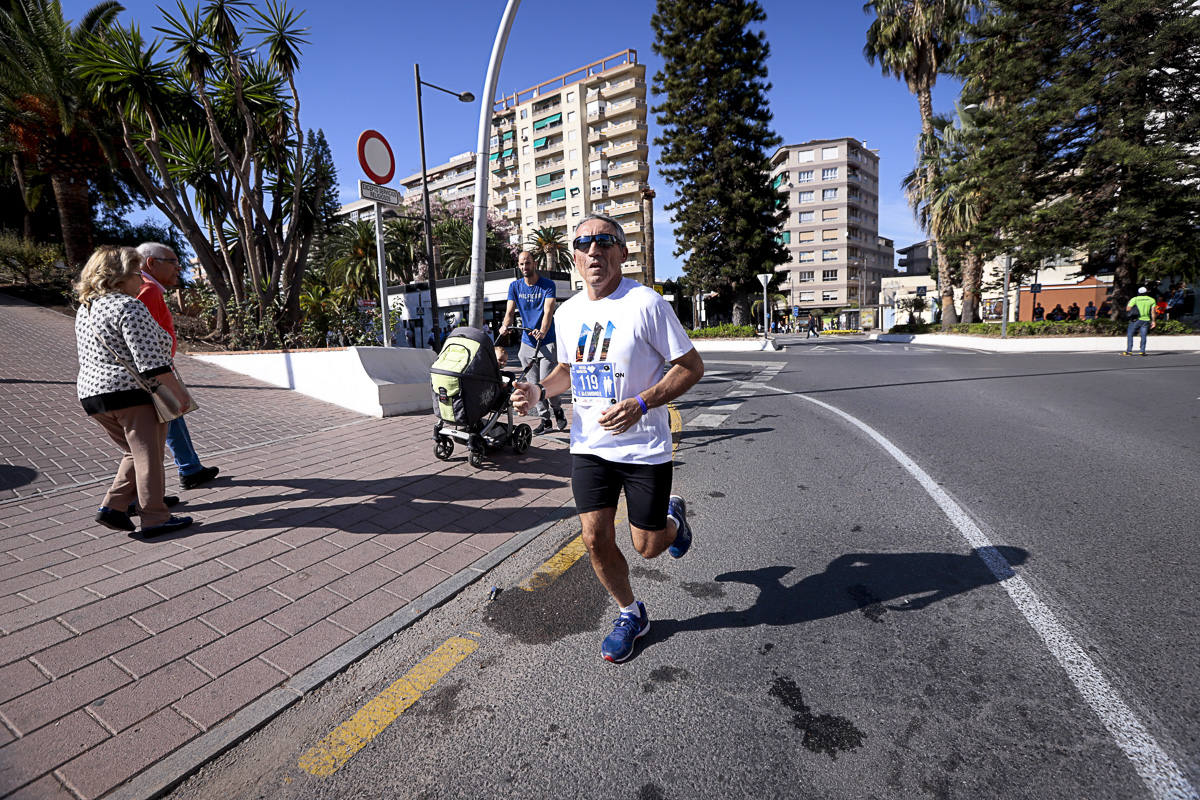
116	651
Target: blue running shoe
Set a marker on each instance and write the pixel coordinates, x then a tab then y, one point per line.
618	645
677	510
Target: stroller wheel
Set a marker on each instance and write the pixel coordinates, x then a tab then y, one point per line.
521	437
476	458
443	446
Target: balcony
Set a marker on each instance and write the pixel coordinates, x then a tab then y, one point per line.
600	191
629	126
626	187
551	204
547	163
634	247
508	177
632	104
626	148
632	226
617	209
628	168
619	88
544	219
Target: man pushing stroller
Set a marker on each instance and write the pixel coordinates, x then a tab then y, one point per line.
535	297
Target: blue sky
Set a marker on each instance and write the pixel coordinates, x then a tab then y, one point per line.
357	73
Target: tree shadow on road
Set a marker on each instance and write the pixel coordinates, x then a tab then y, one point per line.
873	584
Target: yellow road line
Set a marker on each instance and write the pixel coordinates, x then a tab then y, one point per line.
555	566
354	734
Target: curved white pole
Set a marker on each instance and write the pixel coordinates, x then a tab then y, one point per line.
487	102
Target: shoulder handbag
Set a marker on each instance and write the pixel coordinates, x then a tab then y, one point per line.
166	404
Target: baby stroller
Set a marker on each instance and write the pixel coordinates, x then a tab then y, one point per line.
471	398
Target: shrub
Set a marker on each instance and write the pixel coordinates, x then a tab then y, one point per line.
30	261
1083	327
727	331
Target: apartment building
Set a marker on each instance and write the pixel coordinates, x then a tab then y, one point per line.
836	256
574	145
454	180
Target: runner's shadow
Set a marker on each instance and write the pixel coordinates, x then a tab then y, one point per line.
874	584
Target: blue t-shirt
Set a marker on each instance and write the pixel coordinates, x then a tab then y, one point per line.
531	302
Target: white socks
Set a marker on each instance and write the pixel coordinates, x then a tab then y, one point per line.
632	608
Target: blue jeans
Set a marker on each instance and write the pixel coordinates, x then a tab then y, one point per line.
180	442
1136	326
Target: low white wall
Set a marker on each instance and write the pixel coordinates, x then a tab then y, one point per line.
376	381
730	345
1047	344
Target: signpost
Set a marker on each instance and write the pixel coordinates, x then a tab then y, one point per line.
376	159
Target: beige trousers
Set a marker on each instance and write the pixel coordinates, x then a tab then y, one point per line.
140	476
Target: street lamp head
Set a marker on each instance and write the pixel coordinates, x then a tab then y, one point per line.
467	97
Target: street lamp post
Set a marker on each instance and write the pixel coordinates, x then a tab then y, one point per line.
1004	312
764	278
465	97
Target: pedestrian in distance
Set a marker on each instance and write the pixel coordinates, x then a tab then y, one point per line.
1039	313
1090	311
1141	311
1057	314
116	337
1073	312
160	272
619	336
535	297
435	339
814	328
1105	309
1176	302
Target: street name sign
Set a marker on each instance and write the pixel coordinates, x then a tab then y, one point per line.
380	194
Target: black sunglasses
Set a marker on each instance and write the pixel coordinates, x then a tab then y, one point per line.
605	240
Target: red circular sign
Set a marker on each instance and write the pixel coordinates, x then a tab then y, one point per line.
375	156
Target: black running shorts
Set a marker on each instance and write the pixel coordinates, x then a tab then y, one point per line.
597	485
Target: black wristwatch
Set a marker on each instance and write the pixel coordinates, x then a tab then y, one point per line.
542	391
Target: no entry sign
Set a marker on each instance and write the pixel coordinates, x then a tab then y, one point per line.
375	156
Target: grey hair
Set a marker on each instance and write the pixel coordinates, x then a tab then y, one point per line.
153	250
609	220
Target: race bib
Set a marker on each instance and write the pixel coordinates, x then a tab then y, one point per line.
592	383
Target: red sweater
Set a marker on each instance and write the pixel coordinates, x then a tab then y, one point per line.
153	298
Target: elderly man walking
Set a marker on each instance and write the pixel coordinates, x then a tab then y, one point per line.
160	273
616	337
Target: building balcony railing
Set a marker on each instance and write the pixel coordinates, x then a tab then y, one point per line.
558	202
559	181
616	209
621	87
623	148
548	218
626	187
628	167
623	127
626	106
508	177
545	164
634	246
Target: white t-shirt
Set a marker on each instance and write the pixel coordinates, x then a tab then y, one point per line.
616	347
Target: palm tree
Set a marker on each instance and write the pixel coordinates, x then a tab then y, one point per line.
47	110
405	248
453	237
911	40
353	262
550	250
950	205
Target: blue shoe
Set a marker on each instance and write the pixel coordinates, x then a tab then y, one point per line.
618	645
677	510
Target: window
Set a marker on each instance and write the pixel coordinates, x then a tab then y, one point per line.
570	116
574	191
829	213
808	236
828	275
804	277
528	186
574	173
829	296
784	238
524	149
829	235
829	255
538	144
829	194
524	113
571	136
828	153
804	156
829	174
804	176
495	140
805	256
805	216
558	194
780	178
806	297
528	202
570	97
804	197
529	220
572	154
545	122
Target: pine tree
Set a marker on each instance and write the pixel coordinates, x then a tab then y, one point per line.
1088	140
716	140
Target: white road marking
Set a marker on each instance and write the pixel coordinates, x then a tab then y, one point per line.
707	421
1162	776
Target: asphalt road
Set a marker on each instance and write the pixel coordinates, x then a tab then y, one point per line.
833	633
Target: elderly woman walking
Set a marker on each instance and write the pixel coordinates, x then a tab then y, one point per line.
115	333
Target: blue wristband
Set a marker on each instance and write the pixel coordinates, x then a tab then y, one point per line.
642	403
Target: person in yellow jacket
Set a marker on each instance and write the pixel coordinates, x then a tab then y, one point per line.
1141	319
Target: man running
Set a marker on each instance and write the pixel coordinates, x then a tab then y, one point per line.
614	340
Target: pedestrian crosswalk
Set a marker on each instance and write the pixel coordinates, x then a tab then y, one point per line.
717	409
